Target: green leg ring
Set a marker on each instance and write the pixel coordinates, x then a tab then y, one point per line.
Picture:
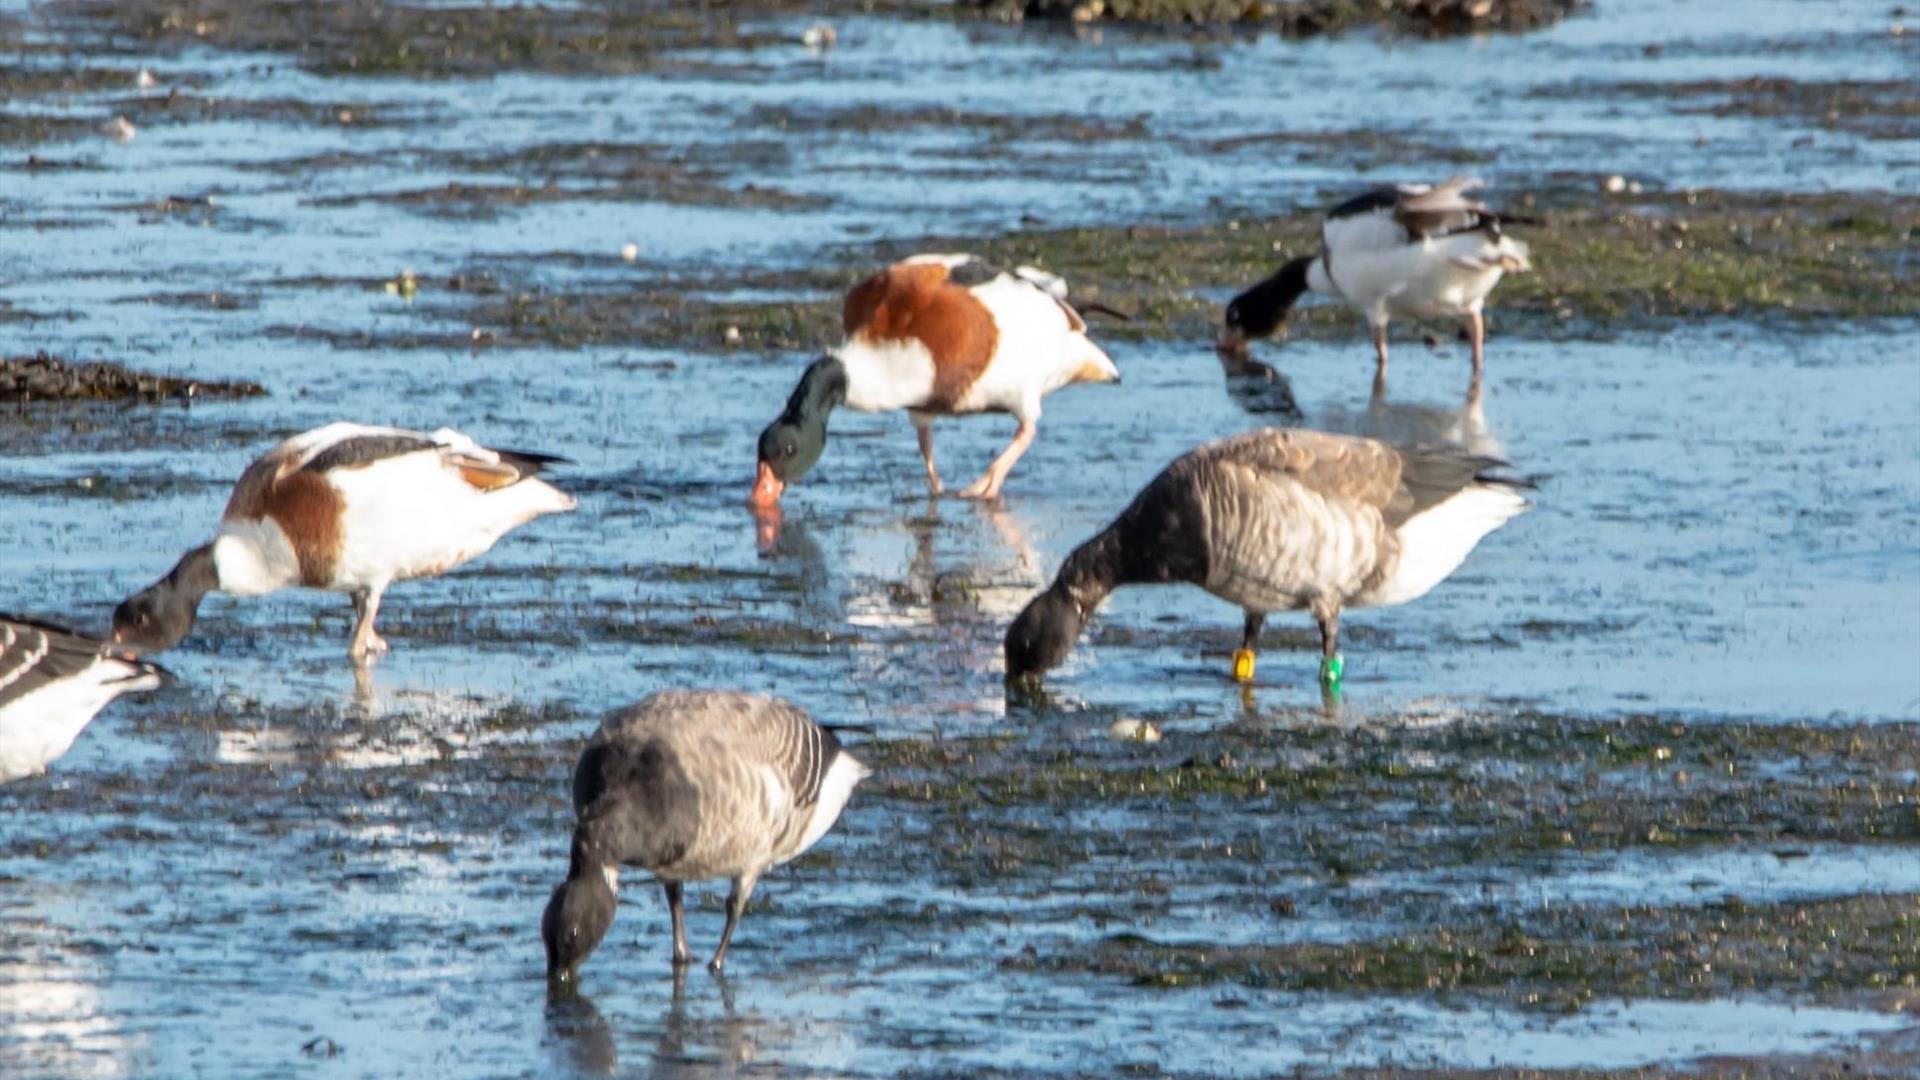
1331	669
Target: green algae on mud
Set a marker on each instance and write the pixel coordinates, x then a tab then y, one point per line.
1602	264
1302	18
1560	958
371	37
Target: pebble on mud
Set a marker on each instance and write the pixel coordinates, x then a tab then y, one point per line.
42	378
1130	729
119	129
630	252
820	37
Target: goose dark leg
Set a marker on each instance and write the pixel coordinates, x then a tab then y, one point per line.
1331	665
1249	647
681	957
736	904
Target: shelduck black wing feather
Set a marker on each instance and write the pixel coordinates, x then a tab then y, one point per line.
363	450
529	462
1369	202
35	654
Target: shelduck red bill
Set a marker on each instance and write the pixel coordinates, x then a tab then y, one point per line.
766	489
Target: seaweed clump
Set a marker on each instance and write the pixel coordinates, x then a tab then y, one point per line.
1302	18
41	377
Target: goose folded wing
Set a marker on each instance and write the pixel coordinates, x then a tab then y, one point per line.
1336	466
35	654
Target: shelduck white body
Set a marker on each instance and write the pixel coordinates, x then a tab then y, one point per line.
350	508
1413	250
938	335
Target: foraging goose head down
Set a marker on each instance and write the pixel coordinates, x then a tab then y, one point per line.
1279	520
937	335
1413	250
52	684
348	508
691	785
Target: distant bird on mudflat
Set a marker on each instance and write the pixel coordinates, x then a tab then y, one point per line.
938	335
1412	250
1279	520
352	509
52	683
691	785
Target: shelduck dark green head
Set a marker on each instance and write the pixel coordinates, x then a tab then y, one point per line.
794	441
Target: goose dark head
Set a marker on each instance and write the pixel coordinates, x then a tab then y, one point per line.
577	918
1263	309
1042	636
794	441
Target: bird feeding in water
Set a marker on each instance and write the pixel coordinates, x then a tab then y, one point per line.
1279	519
938	335
691	785
1413	250
347	508
52	684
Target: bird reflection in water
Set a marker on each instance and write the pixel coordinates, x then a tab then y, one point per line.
690	1045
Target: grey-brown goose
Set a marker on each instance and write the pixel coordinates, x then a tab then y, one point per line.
692	785
52	682
1279	519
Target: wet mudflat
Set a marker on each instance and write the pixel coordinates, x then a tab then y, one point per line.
1638	787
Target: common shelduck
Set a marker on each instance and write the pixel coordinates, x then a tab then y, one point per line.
352	509
691	785
1415	250
938	335
1279	519
52	683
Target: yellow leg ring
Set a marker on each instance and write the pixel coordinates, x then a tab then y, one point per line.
1243	665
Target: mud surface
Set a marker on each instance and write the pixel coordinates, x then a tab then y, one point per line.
1302	18
1635	793
28	380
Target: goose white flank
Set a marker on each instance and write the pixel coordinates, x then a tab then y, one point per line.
52	684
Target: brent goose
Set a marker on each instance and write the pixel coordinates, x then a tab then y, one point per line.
52	683
1279	519
691	785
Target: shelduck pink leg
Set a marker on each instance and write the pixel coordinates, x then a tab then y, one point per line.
988	486
366	643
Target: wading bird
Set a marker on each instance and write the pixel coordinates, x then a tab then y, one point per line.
1279	520
352	509
938	335
1414	250
691	785
52	683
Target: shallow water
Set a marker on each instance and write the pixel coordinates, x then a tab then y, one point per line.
262	871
